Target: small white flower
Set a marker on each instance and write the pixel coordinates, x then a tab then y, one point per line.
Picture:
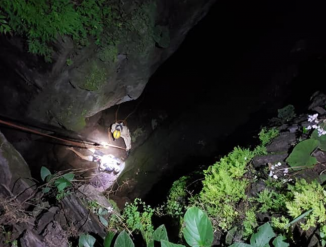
270	173
286	170
314	126
321	131
309	127
272	167
110	209
312	118
278	164
274	176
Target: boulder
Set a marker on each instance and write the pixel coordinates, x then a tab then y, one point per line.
15	176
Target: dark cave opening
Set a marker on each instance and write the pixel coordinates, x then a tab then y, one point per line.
254	53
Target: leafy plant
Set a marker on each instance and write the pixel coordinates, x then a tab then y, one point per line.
69	62
250	223
322	234
60	182
266	136
4	27
86	240
320	138
108	239
138	217
101	213
198	229
270	200
224	186
123	239
301	154
175	205
286	113
307	196
42	22
262	237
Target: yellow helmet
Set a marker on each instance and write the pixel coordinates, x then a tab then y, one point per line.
116	134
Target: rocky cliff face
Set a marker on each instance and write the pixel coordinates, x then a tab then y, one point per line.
81	81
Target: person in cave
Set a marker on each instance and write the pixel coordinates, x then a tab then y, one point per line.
106	162
118	130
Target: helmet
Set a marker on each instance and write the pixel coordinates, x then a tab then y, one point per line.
116	134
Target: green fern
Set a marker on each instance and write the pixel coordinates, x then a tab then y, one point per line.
42	22
307	196
224	186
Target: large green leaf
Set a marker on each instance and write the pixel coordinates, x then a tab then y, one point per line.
300	156
198	231
44	172
69	176
321	139
240	245
165	243
108	239
278	242
86	240
123	240
62	183
263	236
160	234
103	220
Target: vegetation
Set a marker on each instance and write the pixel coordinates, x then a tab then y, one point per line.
42	22
101	22
57	181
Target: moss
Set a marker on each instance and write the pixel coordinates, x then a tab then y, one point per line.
135	32
72	117
224	186
96	78
177	197
307	196
225	183
250	222
108	54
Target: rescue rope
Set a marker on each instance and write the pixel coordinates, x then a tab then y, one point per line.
78	144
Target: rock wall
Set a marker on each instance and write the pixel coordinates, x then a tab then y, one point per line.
82	81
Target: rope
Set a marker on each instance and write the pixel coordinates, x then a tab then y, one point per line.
125	120
134	109
83	145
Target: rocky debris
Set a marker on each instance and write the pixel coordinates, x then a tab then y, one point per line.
318	101
31	238
282	143
263	160
54	235
92	193
46	224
